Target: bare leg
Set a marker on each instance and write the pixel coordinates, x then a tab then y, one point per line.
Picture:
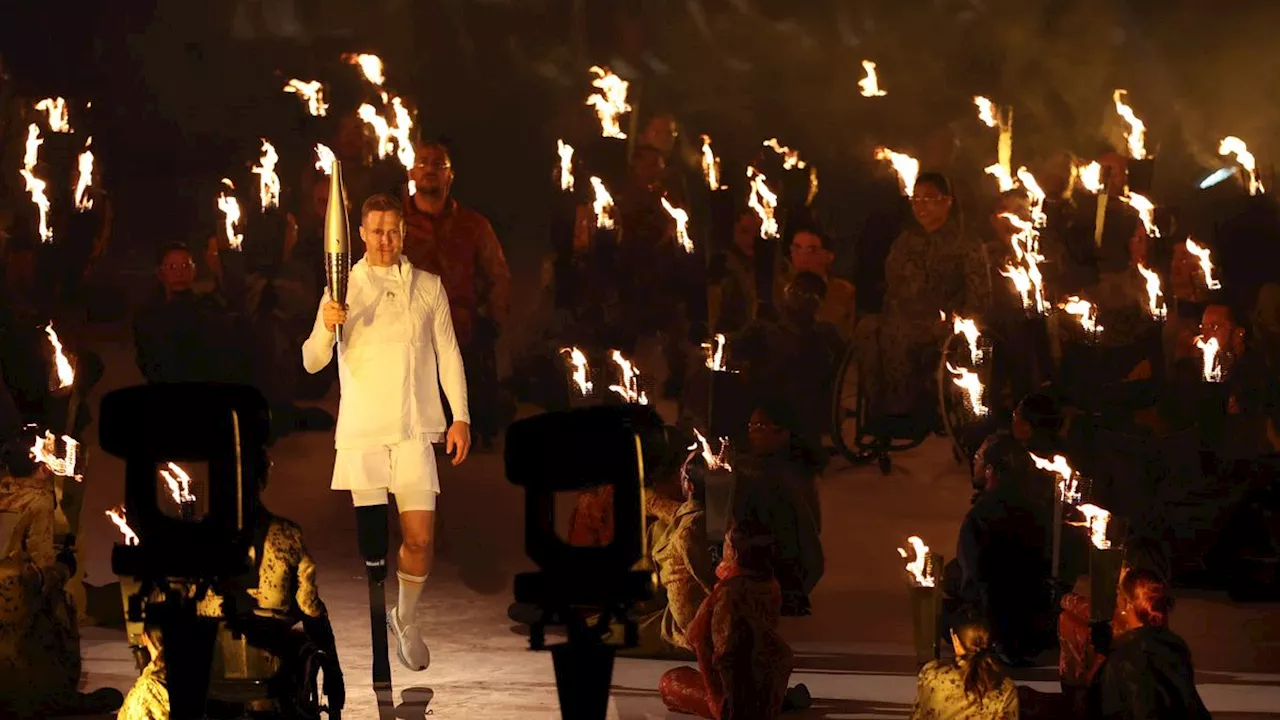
417	548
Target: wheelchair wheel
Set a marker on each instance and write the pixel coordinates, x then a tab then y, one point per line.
849	410
952	400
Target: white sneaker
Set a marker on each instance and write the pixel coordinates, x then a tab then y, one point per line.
412	649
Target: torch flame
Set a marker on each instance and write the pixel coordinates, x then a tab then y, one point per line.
907	167
920	566
1212	364
986	111
1021	282
59	121
31	154
870	85
1205	263
581	371
1001	174
1155	297
971	384
404	143
610	102
566	165
66	373
969	329
312	93
1232	145
268	180
45	452
230	208
1069	482
1090	176
1096	519
1137	129
1146	212
764	201
1084	310
325	159
1036	195
715	353
629	389
603	204
117	516
84	201
682	225
380	126
715	461
710	165
790	158
370	65
179	483
36	186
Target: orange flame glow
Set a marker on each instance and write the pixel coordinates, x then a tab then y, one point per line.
920	568
907	167
1090	176
715	353
1146	212
986	111
972	385
565	150
312	93
117	516
1002	176
84	179
969	329
1096	519
1155	296
710	165
1137	129
715	461
404	140
1084	310
610	102
380	127
790	158
602	205
1069	479
56	108
1205	263
66	373
179	483
370	65
1212	363
1036	195
1232	145
230	208
764	201
45	452
325	159
870	85
581	371
629	389
682	225
268	180
36	186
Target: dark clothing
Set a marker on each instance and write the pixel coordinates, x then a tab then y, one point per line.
1147	675
795	361
778	492
189	338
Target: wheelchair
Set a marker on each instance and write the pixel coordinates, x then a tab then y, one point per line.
265	667
859	437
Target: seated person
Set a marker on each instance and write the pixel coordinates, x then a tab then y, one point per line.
795	355
1148	673
776	489
148	699
39	637
743	663
972	686
932	266
1002	558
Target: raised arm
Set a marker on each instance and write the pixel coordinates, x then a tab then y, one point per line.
317	351
453	377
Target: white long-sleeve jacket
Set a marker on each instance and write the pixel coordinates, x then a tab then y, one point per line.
397	336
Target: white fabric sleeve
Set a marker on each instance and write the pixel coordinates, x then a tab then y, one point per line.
453	377
317	350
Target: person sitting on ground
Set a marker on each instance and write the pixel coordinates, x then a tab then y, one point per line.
972	686
1002	560
1148	673
743	663
148	699
39	637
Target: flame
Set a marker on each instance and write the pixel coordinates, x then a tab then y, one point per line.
230	208
1036	195
404	142
1084	310
710	165
1027	280
1090	176
813	186
971	384
566	165
117	516
268	180
764	201
1155	297
1137	129
179	483
870	85
66	373
36	186
1212	363
603	204
370	65
907	167
610	102
312	93
629	389
715	353
790	158
682	225
59	121
581	371
380	126
1232	145
1001	174
84	201
1069	482
1096	519
325	159
986	111
45	452
1146	212
715	461
920	567
1205	263
1021	282
969	329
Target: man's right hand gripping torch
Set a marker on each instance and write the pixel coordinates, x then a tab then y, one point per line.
337	243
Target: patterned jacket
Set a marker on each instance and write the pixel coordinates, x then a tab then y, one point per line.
926	272
686	569
286	576
940	695
148	699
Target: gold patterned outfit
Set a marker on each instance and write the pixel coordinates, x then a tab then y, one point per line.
940	695
686	569
148	699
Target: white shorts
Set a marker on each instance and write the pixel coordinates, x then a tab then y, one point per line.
406	470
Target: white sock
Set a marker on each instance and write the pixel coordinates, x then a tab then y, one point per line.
410	590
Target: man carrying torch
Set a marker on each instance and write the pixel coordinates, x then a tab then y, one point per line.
397	342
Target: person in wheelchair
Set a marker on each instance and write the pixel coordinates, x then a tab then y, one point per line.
933	266
264	609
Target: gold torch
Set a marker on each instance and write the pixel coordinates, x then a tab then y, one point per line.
337	244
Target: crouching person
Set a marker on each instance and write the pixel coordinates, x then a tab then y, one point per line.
39	638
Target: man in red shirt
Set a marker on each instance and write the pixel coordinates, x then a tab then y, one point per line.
459	245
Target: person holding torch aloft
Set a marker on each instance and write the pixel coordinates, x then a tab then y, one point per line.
397	342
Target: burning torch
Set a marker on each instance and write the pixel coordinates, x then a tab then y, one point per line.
925	597
337	244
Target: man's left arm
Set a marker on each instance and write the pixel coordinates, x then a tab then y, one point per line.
453	377
494	264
